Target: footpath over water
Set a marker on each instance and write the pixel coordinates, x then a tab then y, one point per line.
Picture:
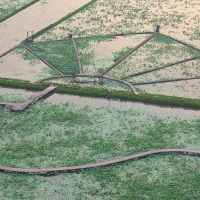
36	17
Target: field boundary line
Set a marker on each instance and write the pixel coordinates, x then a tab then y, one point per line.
129	53
163	67
40	58
166	81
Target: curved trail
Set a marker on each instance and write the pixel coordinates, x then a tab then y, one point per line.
132	87
32	99
100	164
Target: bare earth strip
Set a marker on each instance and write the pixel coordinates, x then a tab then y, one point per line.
36	17
32	99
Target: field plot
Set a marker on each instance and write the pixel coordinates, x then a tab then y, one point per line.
20	64
98	51
141	51
177	18
60	54
8	7
52	135
162	59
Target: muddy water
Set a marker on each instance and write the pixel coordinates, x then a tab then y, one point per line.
104	51
14	66
36	17
65	98
177	18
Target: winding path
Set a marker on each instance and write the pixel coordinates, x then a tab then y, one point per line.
132	87
32	99
46	171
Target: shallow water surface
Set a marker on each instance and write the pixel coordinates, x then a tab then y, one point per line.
36	17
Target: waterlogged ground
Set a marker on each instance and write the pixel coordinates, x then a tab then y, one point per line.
52	135
8	7
34	18
177	18
21	64
67	134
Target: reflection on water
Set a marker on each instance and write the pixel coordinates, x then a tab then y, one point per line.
65	98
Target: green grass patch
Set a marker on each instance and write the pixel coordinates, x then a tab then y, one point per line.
121	53
52	135
60	54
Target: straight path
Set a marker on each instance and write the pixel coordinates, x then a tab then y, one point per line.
181	113
36	17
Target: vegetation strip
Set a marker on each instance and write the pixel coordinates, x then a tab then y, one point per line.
132	87
166	81
158	68
100	164
78	56
181	42
44	61
32	99
154	99
61	20
18	10
129	53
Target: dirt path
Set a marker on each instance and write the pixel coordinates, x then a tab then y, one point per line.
36	17
100	164
32	99
153	109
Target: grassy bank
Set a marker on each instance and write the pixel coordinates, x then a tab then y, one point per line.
52	135
101	92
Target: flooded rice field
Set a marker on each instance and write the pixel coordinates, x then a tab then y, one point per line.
96	51
177	18
130	49
36	17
